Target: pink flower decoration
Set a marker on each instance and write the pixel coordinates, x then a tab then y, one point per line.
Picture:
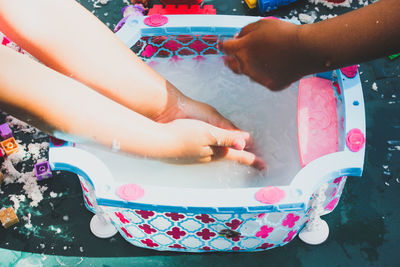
265	246
236	248
121	217
270	195
84	188
174	216
204	218
264	231
355	140
337	180
88	201
145	214
206	234
332	204
147	229
156	20
290	236
149	51
176	233
149	243
130	192
126	232
177	246
290	220
234	224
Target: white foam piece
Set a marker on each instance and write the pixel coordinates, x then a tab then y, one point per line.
270	117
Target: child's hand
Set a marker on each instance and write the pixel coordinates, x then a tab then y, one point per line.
269	52
194	141
187	108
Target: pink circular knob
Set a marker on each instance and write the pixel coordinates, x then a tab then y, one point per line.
156	20
355	140
349	71
130	192
270	195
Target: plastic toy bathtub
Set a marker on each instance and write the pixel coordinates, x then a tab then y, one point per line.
329	146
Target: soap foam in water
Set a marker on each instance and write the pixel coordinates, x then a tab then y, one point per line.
270	117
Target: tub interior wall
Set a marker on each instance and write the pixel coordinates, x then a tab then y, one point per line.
270	117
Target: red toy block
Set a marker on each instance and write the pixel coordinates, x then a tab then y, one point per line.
9	146
181	2
182	10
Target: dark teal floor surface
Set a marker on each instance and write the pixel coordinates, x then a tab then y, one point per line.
364	228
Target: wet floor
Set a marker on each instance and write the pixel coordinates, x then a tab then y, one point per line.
364	228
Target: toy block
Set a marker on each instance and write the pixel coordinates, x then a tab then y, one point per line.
9	146
5	131
8	217
43	170
251	3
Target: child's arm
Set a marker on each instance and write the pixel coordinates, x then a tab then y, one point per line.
54	102
68	38
276	53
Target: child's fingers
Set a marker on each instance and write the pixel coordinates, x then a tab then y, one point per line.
227	138
245	157
229	47
248	28
233	64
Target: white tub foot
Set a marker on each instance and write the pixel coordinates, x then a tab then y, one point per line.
102	227
316	233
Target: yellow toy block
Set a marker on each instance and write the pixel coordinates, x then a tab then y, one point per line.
8	217
251	3
9	146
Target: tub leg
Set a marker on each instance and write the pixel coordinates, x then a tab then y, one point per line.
316	233
102	227
317	230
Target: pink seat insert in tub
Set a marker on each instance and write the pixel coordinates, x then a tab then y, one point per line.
316	119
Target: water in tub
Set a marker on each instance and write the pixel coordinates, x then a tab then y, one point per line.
270	117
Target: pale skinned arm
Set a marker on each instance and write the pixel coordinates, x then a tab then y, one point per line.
276	53
53	102
69	39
